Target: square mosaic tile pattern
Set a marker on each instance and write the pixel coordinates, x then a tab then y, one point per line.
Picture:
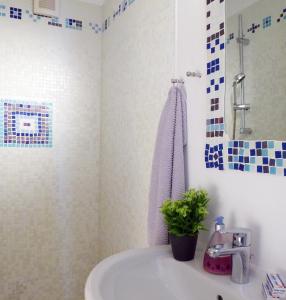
253	28
73	24
24	14
25	124
215	84
214	156
267	22
120	9
282	16
214	104
213	66
215	47
32	17
260	156
55	22
215	127
124	5
95	27
215	41
15	13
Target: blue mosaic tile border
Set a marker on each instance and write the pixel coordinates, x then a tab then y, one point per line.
55	22
282	16
15	13
215	84
215	47
214	157
266	23
118	11
25	124
21	14
73	24
215	127
214	104
253	28
266	157
95	27
34	18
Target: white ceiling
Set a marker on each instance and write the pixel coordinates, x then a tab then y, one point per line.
97	2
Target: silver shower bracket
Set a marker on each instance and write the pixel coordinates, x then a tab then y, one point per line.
244	107
246	131
243	40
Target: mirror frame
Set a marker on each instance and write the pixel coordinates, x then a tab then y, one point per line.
262	156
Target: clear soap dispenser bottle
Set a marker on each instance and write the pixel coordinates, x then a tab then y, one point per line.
220	265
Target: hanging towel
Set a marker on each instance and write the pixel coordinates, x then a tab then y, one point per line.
168	179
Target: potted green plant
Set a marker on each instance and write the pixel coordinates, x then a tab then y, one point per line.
184	219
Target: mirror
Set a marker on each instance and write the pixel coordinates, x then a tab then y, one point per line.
255	95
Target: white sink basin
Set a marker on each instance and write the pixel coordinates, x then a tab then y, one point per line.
153	274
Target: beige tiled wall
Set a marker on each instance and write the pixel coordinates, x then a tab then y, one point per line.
138	63
49	213
48	200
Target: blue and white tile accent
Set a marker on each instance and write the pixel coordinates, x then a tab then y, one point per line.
282	16
214	104
214	157
55	22
215	46
26	14
120	9
18	13
215	127
2	10
73	24
253	28
267	22
213	66
15	13
25	124
32	17
96	28
215	42
215	84
265	157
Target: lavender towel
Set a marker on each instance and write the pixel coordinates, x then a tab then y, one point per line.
168	179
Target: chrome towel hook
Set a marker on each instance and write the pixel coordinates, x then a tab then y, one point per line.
194	74
175	80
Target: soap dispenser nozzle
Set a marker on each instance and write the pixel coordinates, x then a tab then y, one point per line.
219	225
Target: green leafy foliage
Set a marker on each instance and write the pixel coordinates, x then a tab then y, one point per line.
184	217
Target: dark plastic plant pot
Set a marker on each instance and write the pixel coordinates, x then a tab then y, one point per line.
183	247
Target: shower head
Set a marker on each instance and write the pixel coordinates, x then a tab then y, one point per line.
238	79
